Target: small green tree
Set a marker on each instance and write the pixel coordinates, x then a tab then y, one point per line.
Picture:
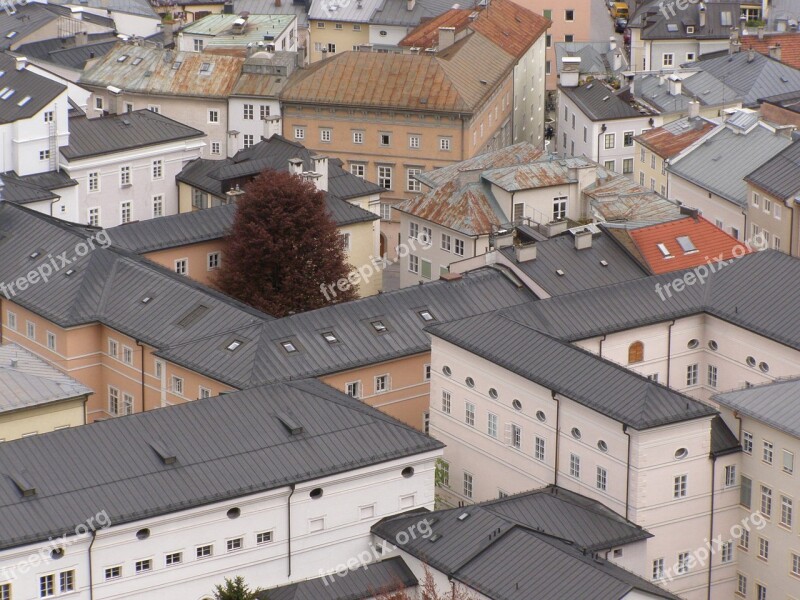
236	589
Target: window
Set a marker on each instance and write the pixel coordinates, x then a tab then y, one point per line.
548	40
712	376
177	385
385	177
158	206
559	208
414	141
51	340
234	544
125	175
386	211
47	586
325	135
627	139
690	55
413	184
213	261
744	540
158	169
12	321
94	181
491	426
248	112
127	404
204	551
788	462
641	154
761	592
413	263
198	45
683	562
353	389
667	59
427	236
730	475
154	108
345	238
727	552
602	479
141	566
215	148
446	401
767	453
30	329
763	548
444	144
413	230
112	573
299	133
795	566
776	242
358	137
174	558
381	384
265	537
539	448
444	473
203	392
691	374
766	501
610	140
609	165
213	116
357	170
679	486
125	212
658	568
113	348
446	242
458	247
569	38
44	154
575	466
468	485
767	205
747	442
127	355
627	165
385	139
569	15
516	436
182	266
741	585
469	414
635	352
787	510
745	491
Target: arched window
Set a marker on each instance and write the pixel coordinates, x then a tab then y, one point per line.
635	352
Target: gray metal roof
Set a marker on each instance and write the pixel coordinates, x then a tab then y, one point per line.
366	581
56	51
597	58
618	198
26	19
342	10
27	381
582	269
117	133
706	88
752	76
720	17
780	175
34	188
38	90
723	440
395	12
724	152
269	8
141	8
510	340
788	101
600	103
536	545
774	404
226	447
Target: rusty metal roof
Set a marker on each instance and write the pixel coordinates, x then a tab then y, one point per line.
617	198
426	35
165	72
673	138
553	170
450	81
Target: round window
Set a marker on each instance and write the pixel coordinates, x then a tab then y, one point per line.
447	371
407	472
234	513
516	404
764	367
541	416
751	362
470	382
383	33
576	433
681	453
693	343
713	344
493	393
602	446
316	493
143	534
57	553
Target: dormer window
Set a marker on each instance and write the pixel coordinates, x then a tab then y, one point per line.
122	58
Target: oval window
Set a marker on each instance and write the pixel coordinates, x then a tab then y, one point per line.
602	446
516	404
576	433
234	513
751	362
713	344
143	534
541	416
493	393
681	453
447	371
470	382
693	343
57	553
316	493
764	367
407	472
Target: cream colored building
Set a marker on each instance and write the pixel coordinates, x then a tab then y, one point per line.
35	397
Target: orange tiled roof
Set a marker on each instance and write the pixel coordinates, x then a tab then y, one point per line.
667	143
789	42
507	24
709	240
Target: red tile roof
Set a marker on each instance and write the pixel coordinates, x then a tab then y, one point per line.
426	34
789	42
709	240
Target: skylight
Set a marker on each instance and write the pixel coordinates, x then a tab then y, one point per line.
426	315
379	326
34	254
176	65
24	101
122	58
146	299
2	72
289	347
672	27
69	272
666	253
205	67
234	345
330	337
11	34
686	244
136	60
7	95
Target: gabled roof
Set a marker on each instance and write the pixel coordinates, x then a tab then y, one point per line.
535	545
616	197
774	404
23	93
426	34
140	8
118	133
509	340
780	175
449	81
701	238
600	103
220	29
697	85
224	448
27	381
597	58
720	17
673	138
164	72
788	101
34	188
723	440
25	19
726	150
788	41
395	12
752	77
549	170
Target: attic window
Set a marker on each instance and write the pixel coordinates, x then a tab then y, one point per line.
672	27
11	34
434	537
234	345
559	272
330	337
664	252
122	58
146	299
136	61
289	347
686	244
426	315
725	18
379	327
24	101
292	426
205	67
23	485
167	456
604	263
176	65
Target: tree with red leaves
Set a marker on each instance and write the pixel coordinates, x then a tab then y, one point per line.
427	590
283	247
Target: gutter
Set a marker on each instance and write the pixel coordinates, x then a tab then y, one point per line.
289	530
558	435
138	343
628	472
91	583
711	519
603	339
669	349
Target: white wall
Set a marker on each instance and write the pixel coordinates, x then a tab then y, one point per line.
255	126
529	92
713	208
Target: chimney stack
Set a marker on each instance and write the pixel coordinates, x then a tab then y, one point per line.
525	253
675	85
296	166
702	12
321	167
583	239
447	37
81	38
751	55
570	71
694	108
760	32
21	63
410	4
775	52
115	106
734	44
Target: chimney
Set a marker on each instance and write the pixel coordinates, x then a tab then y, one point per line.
321	167
675	85
694	109
612	43
21	63
81	38
410	4
583	239
295	166
760	32
734	44
702	10
775	52
277	3
525	253
447	37
570	71
690	212
618	62
751	54
13	363
115	106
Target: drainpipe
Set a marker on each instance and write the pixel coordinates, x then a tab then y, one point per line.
744	231
738	420
91	584
628	471
791	228
711	520
289	529
558	434
602	131
138	343
603	339
669	349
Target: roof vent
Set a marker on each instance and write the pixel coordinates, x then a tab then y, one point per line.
559	272
26	488
604	263
192	316
292	426
463	516
167	456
